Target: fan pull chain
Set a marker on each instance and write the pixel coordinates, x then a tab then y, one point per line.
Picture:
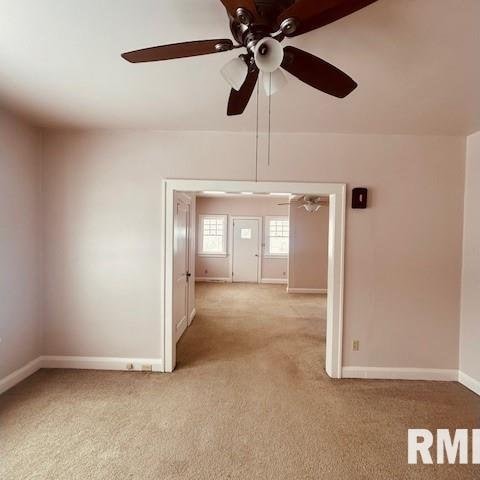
269	117
256	140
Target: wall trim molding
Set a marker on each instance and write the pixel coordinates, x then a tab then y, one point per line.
214	279
307	290
116	363
274	281
386	373
337	193
193	313
469	382
101	363
20	374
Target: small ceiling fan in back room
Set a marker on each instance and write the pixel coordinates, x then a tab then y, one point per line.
258	27
311	203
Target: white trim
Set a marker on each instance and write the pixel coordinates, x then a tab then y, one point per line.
337	197
306	290
20	374
231	234
101	363
274	281
469	382
335	281
181	327
115	363
193	314
379	373
214	279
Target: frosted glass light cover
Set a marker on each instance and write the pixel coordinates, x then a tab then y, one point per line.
235	72
274	82
268	54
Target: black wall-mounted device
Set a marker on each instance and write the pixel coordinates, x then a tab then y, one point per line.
359	198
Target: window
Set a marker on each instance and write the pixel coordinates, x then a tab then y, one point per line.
276	236
212	235
246	233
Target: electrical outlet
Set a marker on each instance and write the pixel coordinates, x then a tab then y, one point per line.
356	345
130	366
146	368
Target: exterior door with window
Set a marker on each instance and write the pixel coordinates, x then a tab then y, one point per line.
246	250
181	274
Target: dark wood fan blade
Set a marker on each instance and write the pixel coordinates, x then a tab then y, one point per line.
312	14
317	73
249	5
238	101
178	50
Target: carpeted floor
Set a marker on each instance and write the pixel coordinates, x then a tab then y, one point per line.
249	400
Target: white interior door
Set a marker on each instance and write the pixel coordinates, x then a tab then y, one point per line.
245	250
180	266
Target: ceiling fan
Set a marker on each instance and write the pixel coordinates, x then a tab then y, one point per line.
259	26
310	203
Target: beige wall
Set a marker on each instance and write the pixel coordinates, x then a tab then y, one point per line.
402	255
272	268
20	244
308	259
470	318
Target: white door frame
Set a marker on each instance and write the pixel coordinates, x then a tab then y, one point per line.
336	251
232	218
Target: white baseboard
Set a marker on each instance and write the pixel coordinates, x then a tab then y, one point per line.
214	279
80	363
307	290
102	363
379	373
114	363
21	374
469	382
192	315
274	281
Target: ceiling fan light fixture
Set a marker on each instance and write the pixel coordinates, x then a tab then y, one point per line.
235	73
268	54
274	82
311	207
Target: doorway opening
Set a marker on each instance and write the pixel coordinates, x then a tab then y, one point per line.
254	240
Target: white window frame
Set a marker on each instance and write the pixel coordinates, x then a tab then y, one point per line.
201	219
266	234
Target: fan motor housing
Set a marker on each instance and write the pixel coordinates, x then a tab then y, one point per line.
241	25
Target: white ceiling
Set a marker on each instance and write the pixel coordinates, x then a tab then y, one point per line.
416	62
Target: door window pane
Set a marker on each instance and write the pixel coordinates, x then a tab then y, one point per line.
246	233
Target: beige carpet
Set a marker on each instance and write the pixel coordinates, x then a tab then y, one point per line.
249	400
